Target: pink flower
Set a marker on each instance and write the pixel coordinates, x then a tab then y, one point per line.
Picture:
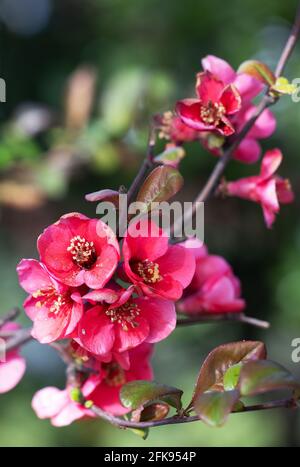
214	104
214	288
102	389
77	250
122	322
54	308
154	266
13	367
248	87
266	188
249	149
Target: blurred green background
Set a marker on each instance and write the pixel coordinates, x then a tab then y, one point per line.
83	78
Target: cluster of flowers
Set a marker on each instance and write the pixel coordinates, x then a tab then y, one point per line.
222	107
110	301
113	303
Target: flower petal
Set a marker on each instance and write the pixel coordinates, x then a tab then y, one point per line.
219	67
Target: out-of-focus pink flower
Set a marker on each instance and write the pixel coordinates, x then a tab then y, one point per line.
214	104
214	288
77	250
54	308
266	188
154	266
103	389
172	128
13	367
249	150
122	322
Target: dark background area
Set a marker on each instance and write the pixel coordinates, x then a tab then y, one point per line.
143	55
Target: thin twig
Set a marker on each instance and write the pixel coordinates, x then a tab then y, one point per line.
140	177
175	420
206	318
290	45
11	315
21	337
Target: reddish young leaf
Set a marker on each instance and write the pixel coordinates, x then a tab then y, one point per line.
110	196
160	185
220	359
258	70
152	412
264	376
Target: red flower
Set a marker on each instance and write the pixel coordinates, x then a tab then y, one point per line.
103	389
215	103
122	322
54	308
154	266
77	250
214	287
266	188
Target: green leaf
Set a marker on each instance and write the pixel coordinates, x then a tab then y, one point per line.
141	432
258	70
264	376
171	156
160	185
220	359
283	86
231	377
214	407
137	394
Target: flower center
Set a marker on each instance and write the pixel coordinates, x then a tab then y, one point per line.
212	112
50	299
148	271
115	375
83	252
124	315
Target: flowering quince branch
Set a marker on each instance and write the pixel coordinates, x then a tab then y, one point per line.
208	318
103	300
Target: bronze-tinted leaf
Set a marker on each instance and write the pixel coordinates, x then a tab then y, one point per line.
220	359
152	412
258	70
160	185
214	407
264	376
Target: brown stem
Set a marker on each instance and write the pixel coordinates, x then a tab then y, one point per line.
147	164
235	317
141	175
175	420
